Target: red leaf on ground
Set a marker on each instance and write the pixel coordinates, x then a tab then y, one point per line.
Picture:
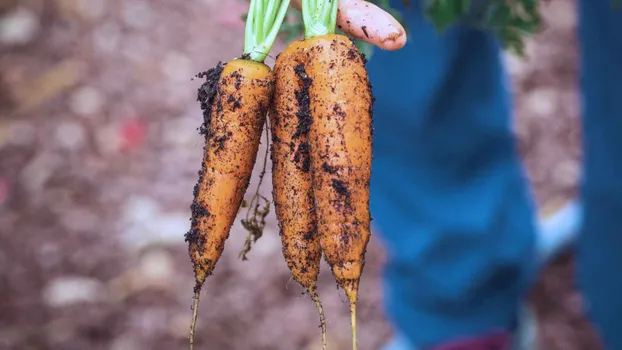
133	134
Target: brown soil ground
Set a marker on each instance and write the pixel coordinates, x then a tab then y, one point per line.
98	156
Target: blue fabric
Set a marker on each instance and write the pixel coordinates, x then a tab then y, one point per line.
525	339
555	233
449	196
600	247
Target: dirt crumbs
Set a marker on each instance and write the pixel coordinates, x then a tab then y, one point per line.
302	96
207	94
303	156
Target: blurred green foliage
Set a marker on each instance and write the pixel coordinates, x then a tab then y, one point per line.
512	21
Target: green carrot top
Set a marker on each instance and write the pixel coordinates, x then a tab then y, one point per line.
319	17
263	23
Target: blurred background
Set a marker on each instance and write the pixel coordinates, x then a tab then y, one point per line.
99	152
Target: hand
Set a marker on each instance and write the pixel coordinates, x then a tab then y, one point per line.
367	22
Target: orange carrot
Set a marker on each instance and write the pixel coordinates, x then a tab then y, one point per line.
340	140
291	177
233	126
340	136
235	99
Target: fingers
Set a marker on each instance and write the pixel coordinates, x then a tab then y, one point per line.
367	22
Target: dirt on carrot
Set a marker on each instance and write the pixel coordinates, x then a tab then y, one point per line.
341	151
234	99
292	185
206	94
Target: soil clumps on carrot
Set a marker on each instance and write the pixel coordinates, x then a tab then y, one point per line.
302	96
302	156
206	97
207	93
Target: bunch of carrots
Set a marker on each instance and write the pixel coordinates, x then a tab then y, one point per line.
319	101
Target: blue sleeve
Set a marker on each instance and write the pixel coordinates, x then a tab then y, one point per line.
449	198
599	251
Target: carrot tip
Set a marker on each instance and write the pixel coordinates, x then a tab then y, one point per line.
195	314
353	321
320	309
351	289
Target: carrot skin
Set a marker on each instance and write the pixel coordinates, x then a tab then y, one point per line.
341	151
294	203
291	176
233	127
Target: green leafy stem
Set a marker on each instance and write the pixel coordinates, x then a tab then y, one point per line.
511	21
319	17
263	24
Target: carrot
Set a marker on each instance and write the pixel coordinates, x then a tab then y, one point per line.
235	99
340	140
291	177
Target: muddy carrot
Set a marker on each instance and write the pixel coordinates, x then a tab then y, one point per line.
340	140
235	98
291	177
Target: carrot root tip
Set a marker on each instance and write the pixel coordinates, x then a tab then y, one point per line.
353	321
195	314
320	309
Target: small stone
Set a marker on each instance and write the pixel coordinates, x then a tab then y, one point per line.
70	135
542	101
106	38
169	228
157	228
70	290
18	27
140	209
156	268
86	101
137	14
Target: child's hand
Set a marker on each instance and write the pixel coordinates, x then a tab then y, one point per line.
367	22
